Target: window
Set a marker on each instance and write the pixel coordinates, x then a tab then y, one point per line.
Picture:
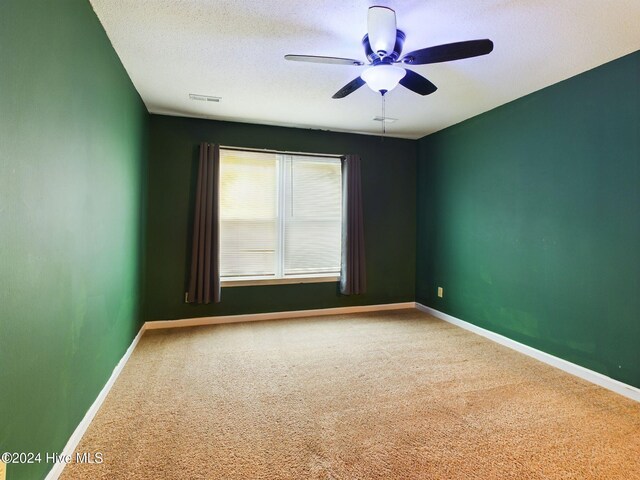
280	217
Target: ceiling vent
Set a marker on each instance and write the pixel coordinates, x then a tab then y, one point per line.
204	98
386	119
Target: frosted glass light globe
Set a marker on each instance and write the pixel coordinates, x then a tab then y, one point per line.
383	77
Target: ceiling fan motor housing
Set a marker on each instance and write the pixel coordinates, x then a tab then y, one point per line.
375	58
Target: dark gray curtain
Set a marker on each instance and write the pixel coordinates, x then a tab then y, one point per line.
204	280
353	278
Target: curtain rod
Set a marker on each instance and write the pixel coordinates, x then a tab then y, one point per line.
285	152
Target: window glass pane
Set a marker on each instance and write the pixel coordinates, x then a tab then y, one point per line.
313	220
248	213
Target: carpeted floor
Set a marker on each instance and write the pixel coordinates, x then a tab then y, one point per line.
388	395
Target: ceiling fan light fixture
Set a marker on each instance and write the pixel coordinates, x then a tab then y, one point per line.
381	78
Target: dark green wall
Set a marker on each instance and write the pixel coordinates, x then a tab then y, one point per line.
529	217
388	176
72	146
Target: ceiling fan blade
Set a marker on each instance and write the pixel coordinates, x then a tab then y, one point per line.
319	59
349	88
417	83
448	52
381	28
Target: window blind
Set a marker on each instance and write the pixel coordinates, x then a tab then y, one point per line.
280	215
313	212
248	214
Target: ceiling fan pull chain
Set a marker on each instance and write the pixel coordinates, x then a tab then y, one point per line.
384	117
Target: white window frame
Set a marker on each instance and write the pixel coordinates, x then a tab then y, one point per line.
284	162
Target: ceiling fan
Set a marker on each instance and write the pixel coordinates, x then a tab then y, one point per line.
383	46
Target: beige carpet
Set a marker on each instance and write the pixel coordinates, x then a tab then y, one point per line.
384	395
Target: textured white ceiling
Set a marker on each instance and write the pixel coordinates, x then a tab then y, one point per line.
234	49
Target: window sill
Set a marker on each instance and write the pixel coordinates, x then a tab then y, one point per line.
248	282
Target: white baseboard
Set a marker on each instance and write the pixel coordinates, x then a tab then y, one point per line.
254	317
80	430
582	372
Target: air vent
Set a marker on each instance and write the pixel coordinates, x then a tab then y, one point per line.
386	119
204	98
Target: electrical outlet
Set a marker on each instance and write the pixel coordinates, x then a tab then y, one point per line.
440	292
3	470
